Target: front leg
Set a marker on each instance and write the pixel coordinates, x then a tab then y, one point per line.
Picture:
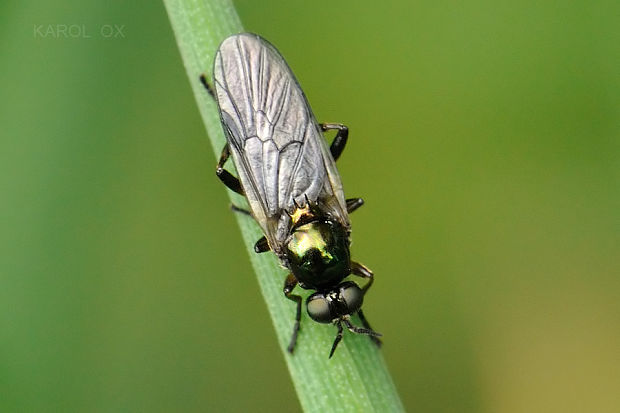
366	325
362	271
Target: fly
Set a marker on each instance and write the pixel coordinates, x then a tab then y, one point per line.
288	175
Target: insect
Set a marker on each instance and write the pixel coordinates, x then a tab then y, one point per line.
288	175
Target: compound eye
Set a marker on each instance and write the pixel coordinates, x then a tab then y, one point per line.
352	295
319	309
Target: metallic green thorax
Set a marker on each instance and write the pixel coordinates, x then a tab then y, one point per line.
318	253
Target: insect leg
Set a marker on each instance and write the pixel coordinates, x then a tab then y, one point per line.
354	203
337	340
261	245
367	326
235	208
362	271
226	177
358	330
205	83
340	140
289	284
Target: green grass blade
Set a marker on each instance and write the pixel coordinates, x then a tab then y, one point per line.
356	378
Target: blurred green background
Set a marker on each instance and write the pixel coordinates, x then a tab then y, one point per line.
484	139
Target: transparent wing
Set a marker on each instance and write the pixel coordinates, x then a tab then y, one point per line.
281	156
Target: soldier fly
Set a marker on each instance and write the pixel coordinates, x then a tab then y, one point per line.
288	175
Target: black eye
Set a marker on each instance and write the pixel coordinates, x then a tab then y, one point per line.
319	308
352	295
